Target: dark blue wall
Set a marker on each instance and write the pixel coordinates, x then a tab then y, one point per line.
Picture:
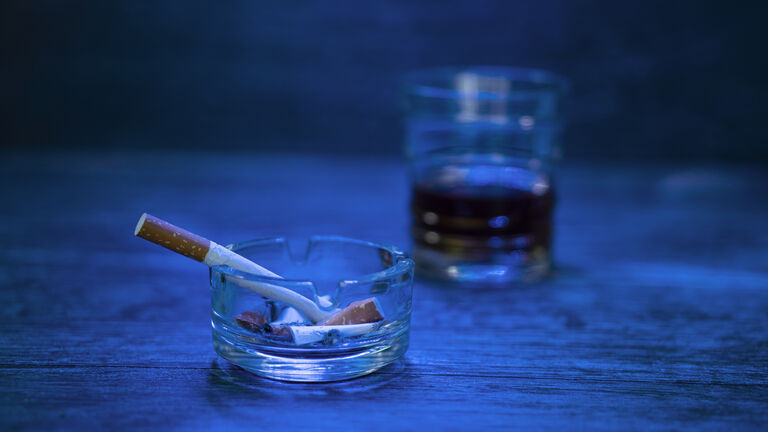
655	79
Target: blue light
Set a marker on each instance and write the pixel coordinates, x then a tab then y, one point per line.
498	222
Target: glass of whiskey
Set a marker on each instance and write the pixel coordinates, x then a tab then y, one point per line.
482	144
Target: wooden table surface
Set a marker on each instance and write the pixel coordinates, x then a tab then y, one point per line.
657	319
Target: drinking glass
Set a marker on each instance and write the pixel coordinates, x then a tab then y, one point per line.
481	144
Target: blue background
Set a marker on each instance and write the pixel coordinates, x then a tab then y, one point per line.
652	79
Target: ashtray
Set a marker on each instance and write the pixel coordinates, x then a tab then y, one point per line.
273	339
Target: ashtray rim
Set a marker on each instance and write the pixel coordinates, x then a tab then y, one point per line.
402	264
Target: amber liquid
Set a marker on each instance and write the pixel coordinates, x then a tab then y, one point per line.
476	222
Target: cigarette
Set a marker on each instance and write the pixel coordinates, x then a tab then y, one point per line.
299	334
212	254
303	335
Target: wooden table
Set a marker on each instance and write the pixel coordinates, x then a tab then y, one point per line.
658	318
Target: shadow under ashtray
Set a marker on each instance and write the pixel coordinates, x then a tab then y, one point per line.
230	375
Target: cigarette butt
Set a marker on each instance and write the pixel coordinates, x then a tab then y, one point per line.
359	312
300	334
211	254
252	321
303	335
257	323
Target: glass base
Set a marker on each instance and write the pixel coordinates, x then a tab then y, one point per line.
496	268
310	365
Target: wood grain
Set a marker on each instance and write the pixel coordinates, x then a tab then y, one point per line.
656	320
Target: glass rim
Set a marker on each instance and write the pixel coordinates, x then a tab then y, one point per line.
415	82
401	263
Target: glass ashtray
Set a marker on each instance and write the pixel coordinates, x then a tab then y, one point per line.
273	339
